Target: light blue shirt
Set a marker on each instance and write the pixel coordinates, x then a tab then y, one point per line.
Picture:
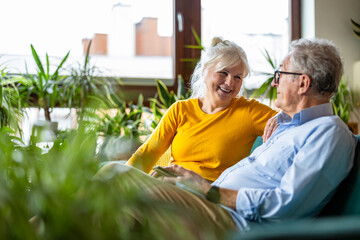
295	173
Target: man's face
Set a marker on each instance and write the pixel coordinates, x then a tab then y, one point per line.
288	98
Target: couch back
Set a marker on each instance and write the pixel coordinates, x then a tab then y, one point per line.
346	200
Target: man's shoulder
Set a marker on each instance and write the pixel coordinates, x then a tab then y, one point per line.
330	122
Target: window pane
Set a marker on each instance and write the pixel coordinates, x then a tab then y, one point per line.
129	38
255	25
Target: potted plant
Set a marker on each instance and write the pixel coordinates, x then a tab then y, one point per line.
83	85
11	105
165	98
266	90
122	130
44	86
343	104
56	196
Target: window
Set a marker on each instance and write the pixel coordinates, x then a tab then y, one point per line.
138	40
255	25
130	39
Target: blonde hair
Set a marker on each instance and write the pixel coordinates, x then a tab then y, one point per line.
222	54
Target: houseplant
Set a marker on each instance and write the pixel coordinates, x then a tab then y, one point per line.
266	90
122	130
83	85
11	106
55	196
165	98
44	86
343	104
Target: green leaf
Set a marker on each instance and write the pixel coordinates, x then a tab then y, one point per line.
357	33
355	24
181	91
37	60
55	75
47	74
197	38
193	47
163	92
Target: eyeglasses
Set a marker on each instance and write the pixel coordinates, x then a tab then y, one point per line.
277	75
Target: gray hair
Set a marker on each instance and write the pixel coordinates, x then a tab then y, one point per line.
320	60
222	53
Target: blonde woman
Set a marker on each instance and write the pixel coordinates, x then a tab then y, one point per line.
216	127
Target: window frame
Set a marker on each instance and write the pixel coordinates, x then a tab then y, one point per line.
190	12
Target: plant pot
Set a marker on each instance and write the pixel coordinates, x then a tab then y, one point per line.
117	148
45	130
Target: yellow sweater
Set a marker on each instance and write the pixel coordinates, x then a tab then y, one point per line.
204	143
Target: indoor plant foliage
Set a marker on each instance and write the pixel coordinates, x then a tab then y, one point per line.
11	105
266	90
44	86
84	83
165	98
122	129
55	196
342	101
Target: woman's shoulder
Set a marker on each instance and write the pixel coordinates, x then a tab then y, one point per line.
247	101
187	104
191	102
252	104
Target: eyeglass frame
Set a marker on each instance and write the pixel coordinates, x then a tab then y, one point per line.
278	72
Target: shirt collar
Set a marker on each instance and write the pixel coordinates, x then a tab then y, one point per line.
306	114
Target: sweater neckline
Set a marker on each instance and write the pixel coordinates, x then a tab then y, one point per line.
213	114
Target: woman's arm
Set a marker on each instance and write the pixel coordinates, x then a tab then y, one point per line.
161	138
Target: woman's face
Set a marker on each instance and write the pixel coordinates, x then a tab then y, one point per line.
224	84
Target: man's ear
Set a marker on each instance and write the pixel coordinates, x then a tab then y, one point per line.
304	84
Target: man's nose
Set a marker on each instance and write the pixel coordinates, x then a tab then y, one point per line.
273	84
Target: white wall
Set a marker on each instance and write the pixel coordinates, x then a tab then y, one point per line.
331	19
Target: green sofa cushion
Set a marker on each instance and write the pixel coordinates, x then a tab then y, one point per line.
258	142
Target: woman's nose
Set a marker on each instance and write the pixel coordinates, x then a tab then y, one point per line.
229	79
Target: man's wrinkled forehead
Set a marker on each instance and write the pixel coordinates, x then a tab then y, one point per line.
285	64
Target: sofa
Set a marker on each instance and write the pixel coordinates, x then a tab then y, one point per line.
340	218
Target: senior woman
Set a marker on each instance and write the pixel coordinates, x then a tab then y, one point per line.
216	127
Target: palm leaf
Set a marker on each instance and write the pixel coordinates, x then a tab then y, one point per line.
55	75
163	92
197	38
355	24
356	33
37	60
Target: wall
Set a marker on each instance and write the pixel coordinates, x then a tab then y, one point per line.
331	19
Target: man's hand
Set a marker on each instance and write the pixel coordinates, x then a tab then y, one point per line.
188	178
270	127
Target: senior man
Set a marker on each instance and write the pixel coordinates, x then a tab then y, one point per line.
293	174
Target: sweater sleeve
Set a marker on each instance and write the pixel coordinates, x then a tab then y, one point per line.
260	114
159	141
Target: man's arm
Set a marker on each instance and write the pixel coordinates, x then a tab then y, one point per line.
318	167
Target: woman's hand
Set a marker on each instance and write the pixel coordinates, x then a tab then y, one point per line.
270	127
